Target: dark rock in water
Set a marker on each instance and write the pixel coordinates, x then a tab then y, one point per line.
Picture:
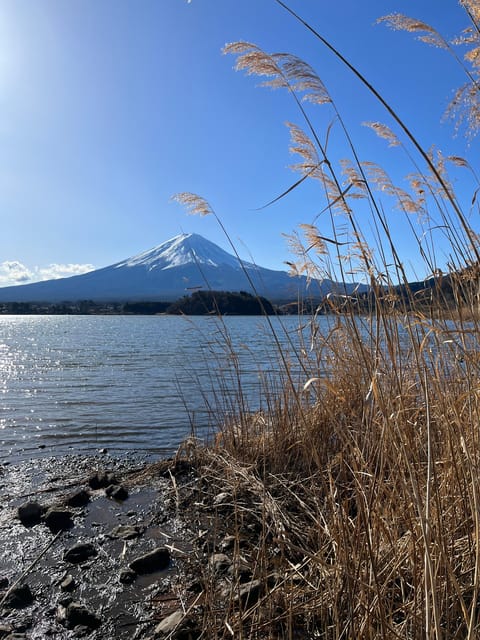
102	479
156	560
78	614
177	626
80	553
30	513
117	492
58	519
19	597
4	583
68	584
125	532
78	499
127	576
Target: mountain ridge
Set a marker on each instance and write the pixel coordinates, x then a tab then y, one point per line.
168	271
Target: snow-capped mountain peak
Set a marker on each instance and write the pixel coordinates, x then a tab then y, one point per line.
168	272
184	249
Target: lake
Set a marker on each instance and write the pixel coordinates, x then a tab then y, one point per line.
129	383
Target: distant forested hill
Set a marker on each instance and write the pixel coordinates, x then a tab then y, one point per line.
221	302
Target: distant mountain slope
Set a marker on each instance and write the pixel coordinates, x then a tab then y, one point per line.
167	272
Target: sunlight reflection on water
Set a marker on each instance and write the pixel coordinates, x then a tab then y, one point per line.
125	382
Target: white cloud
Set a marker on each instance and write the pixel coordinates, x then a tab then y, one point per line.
54	271
13	272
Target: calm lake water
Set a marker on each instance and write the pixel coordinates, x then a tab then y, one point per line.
81	383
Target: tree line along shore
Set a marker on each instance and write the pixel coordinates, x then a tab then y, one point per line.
434	294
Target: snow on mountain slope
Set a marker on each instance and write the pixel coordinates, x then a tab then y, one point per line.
184	249
170	271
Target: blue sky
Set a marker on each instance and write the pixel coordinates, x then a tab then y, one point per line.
109	107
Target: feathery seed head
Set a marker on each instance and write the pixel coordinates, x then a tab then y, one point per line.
400	22
384	132
378	177
302	144
303	78
467	37
419	186
295	246
405	202
303	265
314	239
254	61
473	7
458	161
285	70
354	178
465	109
473	56
195	205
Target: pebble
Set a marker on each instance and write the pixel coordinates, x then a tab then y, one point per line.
127	576
78	499
77	614
68	583
156	560
125	532
219	562
170	624
80	552
30	513
249	593
102	479
19	597
58	519
117	492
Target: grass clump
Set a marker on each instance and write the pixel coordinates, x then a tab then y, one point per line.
353	497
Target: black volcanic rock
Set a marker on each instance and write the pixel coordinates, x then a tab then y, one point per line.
167	272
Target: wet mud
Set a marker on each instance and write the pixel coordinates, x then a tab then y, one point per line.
111	512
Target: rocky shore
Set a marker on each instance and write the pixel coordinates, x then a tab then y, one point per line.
93	547
108	548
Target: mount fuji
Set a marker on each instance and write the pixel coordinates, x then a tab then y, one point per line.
167	272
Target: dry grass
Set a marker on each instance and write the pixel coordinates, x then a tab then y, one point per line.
355	501
358	514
